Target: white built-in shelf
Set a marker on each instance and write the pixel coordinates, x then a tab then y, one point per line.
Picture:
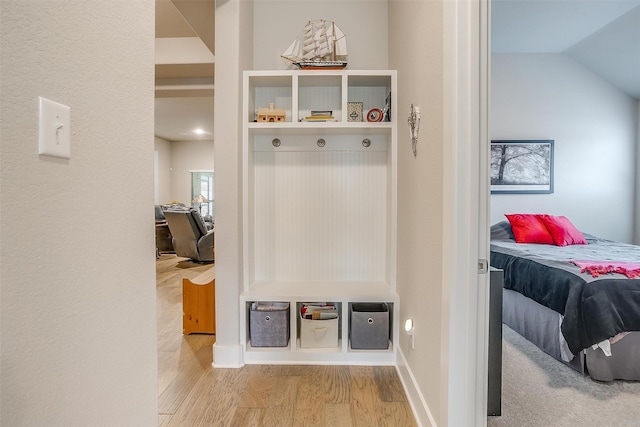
335	128
317	290
319	220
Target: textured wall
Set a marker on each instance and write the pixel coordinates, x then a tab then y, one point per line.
163	184
77	254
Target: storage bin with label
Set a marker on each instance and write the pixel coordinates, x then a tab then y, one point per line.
369	326
269	324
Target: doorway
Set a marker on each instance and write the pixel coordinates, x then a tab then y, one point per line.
184	90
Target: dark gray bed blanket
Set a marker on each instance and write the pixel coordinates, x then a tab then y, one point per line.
594	309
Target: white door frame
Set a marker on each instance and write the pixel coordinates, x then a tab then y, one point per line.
467	68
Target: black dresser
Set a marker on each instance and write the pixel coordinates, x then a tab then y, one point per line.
494	392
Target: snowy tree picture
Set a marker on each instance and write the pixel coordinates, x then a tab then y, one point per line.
522	166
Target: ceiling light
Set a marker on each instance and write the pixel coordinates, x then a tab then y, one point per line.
197	132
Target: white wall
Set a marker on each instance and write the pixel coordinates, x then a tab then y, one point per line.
415	50
163	183
637	211
187	156
78	267
594	125
278	22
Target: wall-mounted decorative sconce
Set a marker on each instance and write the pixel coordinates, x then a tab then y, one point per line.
414	127
408	328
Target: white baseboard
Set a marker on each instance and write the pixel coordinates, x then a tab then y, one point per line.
227	356
419	406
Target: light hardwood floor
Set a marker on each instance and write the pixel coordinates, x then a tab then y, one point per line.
192	393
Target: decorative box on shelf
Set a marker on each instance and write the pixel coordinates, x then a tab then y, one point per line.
269	324
271	114
319	325
369	327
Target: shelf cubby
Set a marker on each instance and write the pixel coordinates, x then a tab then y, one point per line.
319	205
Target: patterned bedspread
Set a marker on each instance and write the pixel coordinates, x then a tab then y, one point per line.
594	308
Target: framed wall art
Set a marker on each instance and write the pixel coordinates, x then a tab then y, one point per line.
522	167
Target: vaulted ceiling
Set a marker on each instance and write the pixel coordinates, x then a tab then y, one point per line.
185	31
602	35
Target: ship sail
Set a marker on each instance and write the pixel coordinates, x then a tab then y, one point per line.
321	44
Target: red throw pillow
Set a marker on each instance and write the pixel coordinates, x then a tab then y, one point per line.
528	228
562	230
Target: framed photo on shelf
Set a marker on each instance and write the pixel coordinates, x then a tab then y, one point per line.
354	111
522	167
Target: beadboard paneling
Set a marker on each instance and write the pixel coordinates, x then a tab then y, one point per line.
318	214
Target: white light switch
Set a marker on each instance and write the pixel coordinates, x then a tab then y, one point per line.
55	129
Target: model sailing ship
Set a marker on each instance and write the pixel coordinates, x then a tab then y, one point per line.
320	46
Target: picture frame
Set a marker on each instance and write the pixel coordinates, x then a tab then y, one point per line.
354	111
522	166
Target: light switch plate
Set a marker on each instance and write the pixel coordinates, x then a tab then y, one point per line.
54	129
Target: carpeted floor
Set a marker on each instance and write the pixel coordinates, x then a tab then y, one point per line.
537	390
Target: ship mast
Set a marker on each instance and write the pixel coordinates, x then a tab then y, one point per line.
333	41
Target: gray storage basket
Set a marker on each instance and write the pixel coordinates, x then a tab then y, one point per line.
269	324
369	326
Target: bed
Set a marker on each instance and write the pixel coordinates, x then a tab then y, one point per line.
570	302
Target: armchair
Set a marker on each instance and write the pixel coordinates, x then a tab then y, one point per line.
163	236
191	239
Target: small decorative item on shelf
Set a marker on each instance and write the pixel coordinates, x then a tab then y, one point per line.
354	112
320	46
271	114
320	116
374	115
387	109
